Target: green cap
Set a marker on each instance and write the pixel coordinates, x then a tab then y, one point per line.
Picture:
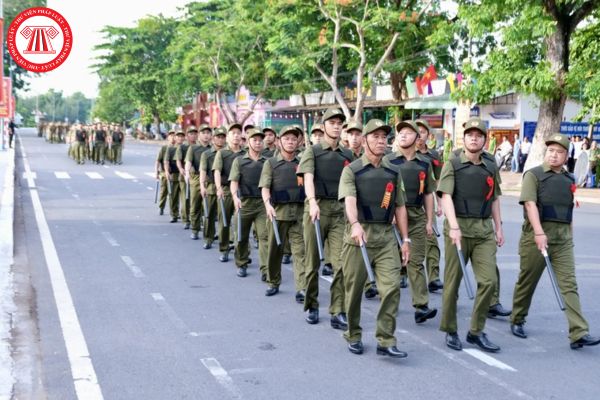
220	131
407	124
317	127
560	139
234	125
299	129
268	128
254	132
376	124
289	129
424	124
354	125
248	127
333	113
180	133
191	129
477	124
204	127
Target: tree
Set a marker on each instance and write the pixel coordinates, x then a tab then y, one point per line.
534	55
113	104
134	61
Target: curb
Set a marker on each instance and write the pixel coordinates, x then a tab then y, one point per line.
7	306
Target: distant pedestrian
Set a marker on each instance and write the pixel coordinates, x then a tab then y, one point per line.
525	148
11	132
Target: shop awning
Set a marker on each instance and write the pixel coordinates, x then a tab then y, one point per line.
430	104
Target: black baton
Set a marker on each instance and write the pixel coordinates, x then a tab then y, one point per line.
463	266
368	267
156	192
559	299
319	239
239	225
222	204
276	231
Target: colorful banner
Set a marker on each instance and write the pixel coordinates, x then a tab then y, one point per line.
6	93
2	98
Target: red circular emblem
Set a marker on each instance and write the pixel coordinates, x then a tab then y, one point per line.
39	39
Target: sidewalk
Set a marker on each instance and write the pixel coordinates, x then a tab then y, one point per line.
511	186
7	307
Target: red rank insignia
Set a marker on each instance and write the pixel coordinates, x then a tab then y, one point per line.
436	163
346	163
387	196
573	188
299	179
421	182
490	183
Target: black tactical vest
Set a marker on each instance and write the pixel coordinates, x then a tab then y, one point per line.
80	136
197	151
471	186
100	136
328	170
170	157
228	157
117	137
554	196
371	184
250	171
210	160
436	164
184	148
411	171
268	153
284	186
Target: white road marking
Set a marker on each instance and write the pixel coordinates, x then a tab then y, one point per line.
94	175
110	239
28	174
82	369
171	314
62	175
222	377
75	196
149	188
327	278
124	175
150	174
489	360
135	270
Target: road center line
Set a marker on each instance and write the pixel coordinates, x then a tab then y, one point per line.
110	239
82	369
135	270
222	377
489	360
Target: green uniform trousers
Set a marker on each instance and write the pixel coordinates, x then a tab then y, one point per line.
184	202
252	211
174	197
290	232
79	152
164	192
332	229
386	268
532	267
226	213
432	255
416	270
195	202
211	219
482	253
117	153
99	151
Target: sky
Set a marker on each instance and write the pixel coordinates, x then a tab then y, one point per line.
86	19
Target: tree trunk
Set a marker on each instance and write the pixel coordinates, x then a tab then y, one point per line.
156	117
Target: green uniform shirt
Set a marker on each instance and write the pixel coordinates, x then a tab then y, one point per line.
378	235
556	232
470	227
161	154
287	211
492	145
307	165
194	157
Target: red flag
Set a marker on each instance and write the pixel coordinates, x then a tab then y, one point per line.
418	83
429	75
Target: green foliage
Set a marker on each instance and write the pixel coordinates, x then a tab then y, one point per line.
11	8
113	104
55	107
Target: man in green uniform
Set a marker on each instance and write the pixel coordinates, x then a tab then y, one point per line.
192	170
79	144
316	133
373	195
184	179
492	144
448	145
270	139
419	184
547	196
247	200
208	190
470	190
432	249
118	140
99	144
172	174
160	172
283	196
321	167
221	169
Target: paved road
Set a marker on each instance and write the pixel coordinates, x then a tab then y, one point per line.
161	318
